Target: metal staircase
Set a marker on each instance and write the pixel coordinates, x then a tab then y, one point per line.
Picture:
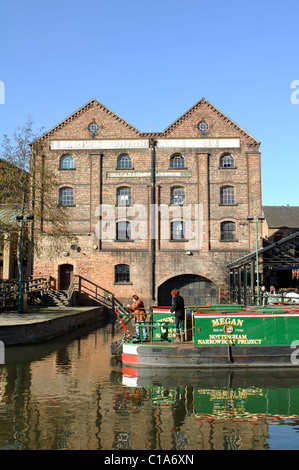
55	298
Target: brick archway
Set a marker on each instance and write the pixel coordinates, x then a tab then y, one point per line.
196	290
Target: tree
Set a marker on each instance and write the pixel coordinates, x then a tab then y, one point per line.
27	185
14	165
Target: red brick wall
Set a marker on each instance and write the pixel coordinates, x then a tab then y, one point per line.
96	259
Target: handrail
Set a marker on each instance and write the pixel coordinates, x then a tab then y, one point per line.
9	289
150	324
95	292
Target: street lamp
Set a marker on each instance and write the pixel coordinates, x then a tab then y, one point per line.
260	218
20	218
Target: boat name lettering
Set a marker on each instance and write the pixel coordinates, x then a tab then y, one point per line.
225	321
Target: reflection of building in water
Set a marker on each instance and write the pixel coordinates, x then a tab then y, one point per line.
69	397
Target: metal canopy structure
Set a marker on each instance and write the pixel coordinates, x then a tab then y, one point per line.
243	272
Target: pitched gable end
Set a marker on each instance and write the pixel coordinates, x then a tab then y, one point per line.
201	104
91	104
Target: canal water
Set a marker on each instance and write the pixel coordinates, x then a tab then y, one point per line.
71	394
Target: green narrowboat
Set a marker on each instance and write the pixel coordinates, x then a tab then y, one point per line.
218	336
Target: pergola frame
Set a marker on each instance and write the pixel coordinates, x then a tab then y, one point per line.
242	271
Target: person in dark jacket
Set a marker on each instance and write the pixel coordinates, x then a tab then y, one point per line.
178	308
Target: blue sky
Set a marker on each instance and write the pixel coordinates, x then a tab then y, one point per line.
150	61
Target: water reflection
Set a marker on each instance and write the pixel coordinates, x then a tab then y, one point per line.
70	394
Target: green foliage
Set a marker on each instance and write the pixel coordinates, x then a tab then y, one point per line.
28	185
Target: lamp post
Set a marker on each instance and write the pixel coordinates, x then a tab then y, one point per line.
20	218
260	218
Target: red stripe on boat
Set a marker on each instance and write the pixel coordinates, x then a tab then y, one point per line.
130	371
130	358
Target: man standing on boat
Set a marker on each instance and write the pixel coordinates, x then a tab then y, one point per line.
137	308
178	308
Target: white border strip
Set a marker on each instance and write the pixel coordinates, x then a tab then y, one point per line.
130	349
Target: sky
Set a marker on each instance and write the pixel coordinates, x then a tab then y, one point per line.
150	61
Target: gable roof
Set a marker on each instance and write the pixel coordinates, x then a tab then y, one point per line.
282	216
94	103
200	103
91	104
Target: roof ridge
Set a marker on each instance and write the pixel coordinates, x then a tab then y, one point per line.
184	116
90	104
93	102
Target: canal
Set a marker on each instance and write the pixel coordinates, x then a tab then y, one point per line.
71	394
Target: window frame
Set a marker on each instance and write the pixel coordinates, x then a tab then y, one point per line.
124	157
227	199
61	203
177	157
64	156
118	195
172	195
181	232
223	231
117	279
230	158
127	231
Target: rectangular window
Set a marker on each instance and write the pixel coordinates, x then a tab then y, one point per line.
177	231
66	197
122	273
228	231
227	195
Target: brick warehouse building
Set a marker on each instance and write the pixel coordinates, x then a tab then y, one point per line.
152	211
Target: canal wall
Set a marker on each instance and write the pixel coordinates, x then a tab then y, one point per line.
43	325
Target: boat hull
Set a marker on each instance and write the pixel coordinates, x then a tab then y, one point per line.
189	357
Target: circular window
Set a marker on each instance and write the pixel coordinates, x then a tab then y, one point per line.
203	126
93	128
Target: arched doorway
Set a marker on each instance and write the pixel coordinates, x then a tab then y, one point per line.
65	276
196	290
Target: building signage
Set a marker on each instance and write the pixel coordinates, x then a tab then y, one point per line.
140	174
199	143
96	144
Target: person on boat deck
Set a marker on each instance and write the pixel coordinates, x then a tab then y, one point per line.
137	308
264	295
178	308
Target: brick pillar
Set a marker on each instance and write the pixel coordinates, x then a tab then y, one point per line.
254	198
204	195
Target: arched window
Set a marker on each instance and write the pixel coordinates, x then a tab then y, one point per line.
66	196
177	161
67	162
228	231
124	161
177	195
122	273
227	195
177	230
227	161
123	230
124	196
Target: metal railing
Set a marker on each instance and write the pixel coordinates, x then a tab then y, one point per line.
83	289
33	287
151	325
